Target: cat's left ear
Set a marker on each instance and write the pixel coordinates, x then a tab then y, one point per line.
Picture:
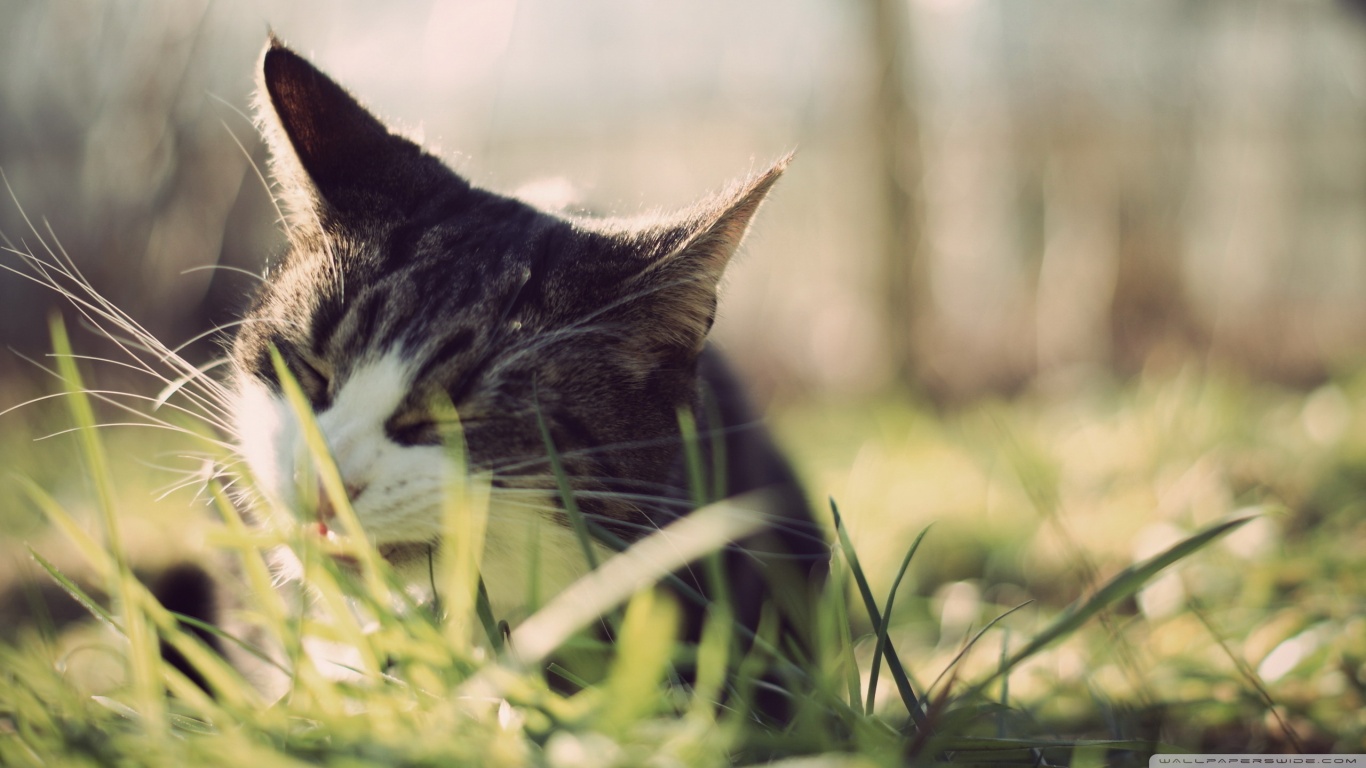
682	285
335	162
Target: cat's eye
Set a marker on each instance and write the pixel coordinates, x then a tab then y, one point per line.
313	375
316	371
414	428
423	426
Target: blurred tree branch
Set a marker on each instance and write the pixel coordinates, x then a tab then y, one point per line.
896	148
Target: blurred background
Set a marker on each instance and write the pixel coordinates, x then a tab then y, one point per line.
986	194
1069	279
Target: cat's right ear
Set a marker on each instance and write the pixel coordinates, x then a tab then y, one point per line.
335	163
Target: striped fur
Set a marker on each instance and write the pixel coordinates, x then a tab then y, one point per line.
404	287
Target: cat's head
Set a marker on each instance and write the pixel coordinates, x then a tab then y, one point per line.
404	287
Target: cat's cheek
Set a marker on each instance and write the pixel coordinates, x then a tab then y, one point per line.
265	429
404	500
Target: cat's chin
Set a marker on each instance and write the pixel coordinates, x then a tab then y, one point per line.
401	555
406	553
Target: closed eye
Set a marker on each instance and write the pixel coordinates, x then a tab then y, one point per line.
314	376
423	426
414	433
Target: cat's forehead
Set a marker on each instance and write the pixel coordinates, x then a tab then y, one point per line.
355	294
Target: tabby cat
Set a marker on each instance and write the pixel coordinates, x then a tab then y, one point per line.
405	287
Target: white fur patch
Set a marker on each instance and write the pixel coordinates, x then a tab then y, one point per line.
527	556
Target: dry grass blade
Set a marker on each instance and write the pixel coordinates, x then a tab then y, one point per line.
616	580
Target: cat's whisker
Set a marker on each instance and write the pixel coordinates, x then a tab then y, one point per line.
175	351
213	413
201	473
210	413
70	267
195	481
704	437
103	393
626	299
90	304
112	424
32	401
668	507
545	482
651	526
63	265
667	502
175	387
24	214
251	161
108	396
224	268
539	342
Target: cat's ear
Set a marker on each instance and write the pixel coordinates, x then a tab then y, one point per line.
334	161
681	285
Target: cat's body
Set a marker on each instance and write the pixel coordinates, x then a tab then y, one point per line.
405	288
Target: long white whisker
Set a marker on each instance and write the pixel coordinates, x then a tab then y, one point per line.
270	194
211	390
669	506
209	407
519	464
176	386
107	396
91	299
216	329
111	424
224	268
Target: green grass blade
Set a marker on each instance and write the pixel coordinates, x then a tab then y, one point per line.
713	660
260	582
328	474
90	550
484	610
74	590
644	646
143	654
83	419
993	745
837	590
1122	585
899	675
247	648
972	642
719	478
571	505
692	458
1251	677
1005	684
880	648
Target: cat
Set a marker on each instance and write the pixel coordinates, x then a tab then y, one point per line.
404	287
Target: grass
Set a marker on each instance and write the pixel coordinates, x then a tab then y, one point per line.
1254	644
1166	565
